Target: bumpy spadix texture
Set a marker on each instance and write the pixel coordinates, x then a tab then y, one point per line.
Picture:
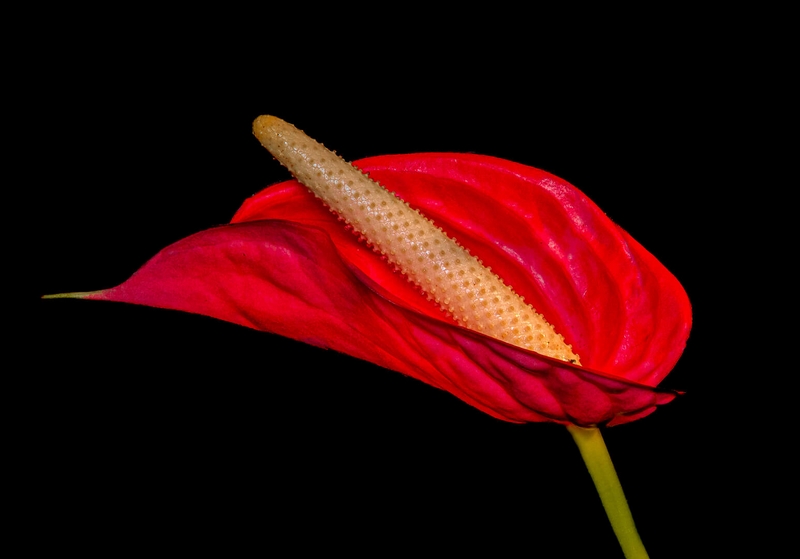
444	270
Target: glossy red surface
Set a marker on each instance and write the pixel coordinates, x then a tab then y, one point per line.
287	266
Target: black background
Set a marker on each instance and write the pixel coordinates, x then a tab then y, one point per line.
140	422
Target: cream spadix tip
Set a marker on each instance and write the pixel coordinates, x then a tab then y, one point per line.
445	271
263	124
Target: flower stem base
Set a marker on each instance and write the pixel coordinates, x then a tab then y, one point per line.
598	462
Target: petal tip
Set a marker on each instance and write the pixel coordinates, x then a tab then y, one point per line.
74	295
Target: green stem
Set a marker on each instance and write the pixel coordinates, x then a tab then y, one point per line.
595	455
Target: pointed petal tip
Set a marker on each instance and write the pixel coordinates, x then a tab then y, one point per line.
73	295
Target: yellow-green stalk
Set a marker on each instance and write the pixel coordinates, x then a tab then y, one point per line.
444	270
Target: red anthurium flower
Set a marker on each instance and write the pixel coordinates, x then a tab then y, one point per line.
285	265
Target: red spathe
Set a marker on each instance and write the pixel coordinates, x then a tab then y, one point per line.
286	265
